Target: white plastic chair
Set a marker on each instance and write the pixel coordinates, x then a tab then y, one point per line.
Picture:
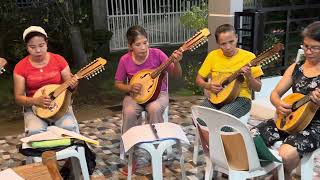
244	119
156	150
217	159
77	155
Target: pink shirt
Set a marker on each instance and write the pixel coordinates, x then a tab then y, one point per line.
127	67
35	78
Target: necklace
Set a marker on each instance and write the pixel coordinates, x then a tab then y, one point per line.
41	70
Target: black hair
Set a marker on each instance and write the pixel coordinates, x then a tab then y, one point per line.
33	34
135	31
222	29
312	31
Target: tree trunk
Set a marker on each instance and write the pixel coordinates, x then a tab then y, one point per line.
78	53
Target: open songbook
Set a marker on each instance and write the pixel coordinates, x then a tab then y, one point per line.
146	133
54	132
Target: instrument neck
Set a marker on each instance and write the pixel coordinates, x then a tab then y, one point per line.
163	66
63	86
301	102
238	73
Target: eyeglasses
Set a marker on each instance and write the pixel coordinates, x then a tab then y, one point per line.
314	49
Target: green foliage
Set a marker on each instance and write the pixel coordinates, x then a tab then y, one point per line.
269	40
190	78
197	17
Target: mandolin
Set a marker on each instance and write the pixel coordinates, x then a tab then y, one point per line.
59	95
303	111
231	85
3	63
151	80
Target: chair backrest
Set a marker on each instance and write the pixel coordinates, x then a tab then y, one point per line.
216	120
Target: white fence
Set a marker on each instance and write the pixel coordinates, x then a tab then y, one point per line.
161	19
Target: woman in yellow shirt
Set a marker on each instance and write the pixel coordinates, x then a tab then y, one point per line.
223	62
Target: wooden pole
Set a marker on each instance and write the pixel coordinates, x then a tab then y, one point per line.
49	159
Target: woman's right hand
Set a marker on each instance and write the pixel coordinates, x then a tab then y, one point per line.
284	108
135	88
43	101
214	87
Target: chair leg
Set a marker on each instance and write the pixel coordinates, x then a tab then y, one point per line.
209	169
166	119
130	164
75	152
196	148
157	162
307	164
183	172
280	172
156	155
83	163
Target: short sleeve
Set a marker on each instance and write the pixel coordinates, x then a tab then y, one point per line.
163	58
205	68
256	71
61	62
19	69
121	74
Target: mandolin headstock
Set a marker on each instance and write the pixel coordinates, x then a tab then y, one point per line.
3	63
92	69
269	55
196	40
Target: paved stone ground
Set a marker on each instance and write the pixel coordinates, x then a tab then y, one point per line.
107	132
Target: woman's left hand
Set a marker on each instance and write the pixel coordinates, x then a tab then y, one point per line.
315	96
177	55
246	71
73	82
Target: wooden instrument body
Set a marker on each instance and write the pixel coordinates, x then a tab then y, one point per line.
299	119
59	105
151	87
227	94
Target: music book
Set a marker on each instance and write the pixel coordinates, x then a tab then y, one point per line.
10	174
144	133
54	132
